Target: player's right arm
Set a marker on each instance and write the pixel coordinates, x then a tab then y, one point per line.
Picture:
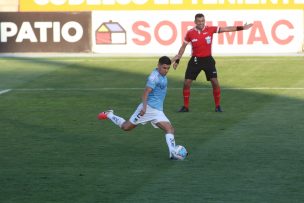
175	60
144	99
181	51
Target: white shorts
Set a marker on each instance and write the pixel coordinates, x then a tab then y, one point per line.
152	115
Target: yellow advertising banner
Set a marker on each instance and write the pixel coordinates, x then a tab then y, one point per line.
90	5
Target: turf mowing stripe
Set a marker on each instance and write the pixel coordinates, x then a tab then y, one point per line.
4	91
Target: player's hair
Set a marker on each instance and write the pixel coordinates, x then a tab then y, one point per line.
199	15
164	60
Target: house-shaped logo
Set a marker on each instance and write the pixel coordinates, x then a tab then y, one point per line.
111	33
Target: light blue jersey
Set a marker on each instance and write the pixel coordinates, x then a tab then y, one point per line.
159	85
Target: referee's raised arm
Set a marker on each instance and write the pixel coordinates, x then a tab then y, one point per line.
235	28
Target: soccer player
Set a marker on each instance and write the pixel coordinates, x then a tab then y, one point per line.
200	38
151	108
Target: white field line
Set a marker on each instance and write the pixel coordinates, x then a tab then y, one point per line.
141	88
121	59
4	91
153	59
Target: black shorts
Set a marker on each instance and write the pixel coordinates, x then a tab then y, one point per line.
197	64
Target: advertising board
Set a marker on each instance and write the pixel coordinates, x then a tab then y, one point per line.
169	5
131	33
45	32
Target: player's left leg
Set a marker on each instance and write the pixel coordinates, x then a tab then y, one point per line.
211	75
121	122
127	126
169	130
216	94
192	71
186	95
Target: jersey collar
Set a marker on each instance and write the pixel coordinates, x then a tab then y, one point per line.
199	31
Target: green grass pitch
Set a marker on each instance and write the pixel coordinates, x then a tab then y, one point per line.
53	148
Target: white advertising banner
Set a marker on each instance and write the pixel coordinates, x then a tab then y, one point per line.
162	32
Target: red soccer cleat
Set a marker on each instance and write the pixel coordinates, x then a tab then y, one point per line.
104	115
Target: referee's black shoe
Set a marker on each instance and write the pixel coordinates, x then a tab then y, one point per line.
184	109
218	109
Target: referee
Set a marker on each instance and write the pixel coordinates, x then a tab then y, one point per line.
200	38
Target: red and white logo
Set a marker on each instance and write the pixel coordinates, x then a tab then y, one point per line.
111	33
